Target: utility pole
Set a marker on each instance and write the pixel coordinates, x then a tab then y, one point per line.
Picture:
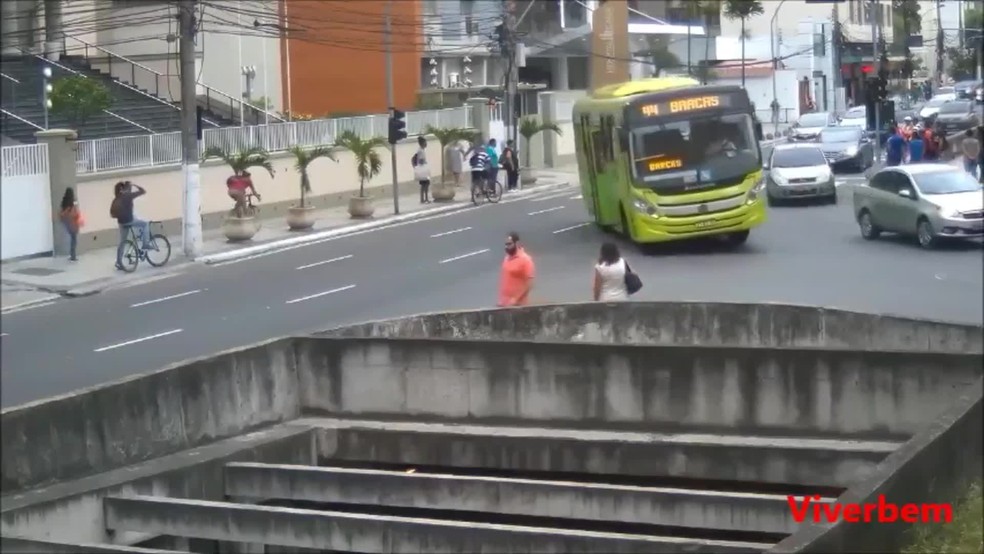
388	32
191	215
875	104
512	81
939	45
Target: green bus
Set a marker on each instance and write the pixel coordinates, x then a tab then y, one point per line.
668	159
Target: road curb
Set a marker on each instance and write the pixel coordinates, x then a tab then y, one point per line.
360	227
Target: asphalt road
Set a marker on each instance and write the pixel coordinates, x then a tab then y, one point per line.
807	254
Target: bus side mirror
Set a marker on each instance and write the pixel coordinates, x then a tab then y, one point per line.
623	139
758	131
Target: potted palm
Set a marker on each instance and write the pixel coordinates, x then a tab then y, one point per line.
529	127
240	226
301	216
446	136
368	164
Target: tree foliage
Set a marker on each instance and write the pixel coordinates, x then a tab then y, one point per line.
963	60
529	127
303	158
368	162
445	137
742	10
79	98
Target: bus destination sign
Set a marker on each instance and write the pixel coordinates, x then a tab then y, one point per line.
686	105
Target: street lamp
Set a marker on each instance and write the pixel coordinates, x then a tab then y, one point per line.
249	72
46	91
775	65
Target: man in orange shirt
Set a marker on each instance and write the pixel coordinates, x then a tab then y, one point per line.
516	279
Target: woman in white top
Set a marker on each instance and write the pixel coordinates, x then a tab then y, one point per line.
609	276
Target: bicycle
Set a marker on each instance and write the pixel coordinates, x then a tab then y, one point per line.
251	210
491	192
133	251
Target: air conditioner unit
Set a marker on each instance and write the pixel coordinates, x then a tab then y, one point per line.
454	80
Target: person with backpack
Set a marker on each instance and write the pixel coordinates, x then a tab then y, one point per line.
421	171
480	164
511	164
71	218
122	210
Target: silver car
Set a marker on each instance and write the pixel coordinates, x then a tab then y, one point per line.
808	126
799	171
929	201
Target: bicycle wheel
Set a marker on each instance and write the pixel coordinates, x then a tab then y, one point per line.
131	256
160	250
495	193
477	194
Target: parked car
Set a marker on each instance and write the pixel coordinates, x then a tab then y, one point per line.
808	126
855	117
957	116
799	171
845	147
928	201
929	111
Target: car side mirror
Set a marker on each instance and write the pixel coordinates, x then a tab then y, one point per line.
905	193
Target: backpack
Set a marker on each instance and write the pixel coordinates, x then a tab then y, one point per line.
413	160
114	209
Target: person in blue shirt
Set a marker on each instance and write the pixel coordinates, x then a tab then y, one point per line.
493	161
894	148
916	147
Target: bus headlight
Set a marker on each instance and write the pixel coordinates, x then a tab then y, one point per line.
753	194
642	206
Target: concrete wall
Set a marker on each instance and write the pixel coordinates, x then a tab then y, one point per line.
935	466
804	392
331	183
692	323
148	416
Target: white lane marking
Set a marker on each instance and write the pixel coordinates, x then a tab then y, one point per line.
463	256
578	197
365	231
316	264
554	209
15	309
137	341
4	334
320	294
446	233
571	228
166	298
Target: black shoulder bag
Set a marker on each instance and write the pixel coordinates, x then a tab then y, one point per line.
632	281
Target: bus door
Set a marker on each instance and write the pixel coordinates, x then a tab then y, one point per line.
607	184
587	147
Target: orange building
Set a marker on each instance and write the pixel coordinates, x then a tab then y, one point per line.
333	55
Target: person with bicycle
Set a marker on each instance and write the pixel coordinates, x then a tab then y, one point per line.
480	164
240	185
122	210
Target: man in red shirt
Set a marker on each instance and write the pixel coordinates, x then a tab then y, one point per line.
516	278
238	185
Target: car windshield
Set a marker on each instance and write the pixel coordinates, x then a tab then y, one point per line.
840	134
955	107
936	102
854	113
798	157
813	120
701	150
947	182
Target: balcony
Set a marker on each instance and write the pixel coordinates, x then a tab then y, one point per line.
552	23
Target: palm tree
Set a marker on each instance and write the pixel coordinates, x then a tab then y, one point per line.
242	160
368	164
529	127
742	9
709	8
303	158
447	136
693	9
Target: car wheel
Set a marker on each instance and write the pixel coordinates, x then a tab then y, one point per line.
869	231
925	234
772	202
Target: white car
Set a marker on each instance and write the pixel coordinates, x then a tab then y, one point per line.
935	103
855	117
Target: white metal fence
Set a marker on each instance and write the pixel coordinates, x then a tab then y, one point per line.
111	154
25	160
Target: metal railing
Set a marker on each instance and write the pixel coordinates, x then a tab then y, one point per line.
148	74
21	161
118	153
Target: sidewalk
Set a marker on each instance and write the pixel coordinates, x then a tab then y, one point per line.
41	280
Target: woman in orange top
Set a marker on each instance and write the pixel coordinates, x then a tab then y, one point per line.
71	218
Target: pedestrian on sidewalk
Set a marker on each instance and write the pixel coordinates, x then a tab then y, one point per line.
71	218
122	210
609	275
421	171
894	148
516	279
971	149
916	146
456	160
493	154
510	162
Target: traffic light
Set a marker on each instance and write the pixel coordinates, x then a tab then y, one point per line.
397	126
46	89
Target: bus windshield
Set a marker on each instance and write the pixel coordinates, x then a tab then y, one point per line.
701	150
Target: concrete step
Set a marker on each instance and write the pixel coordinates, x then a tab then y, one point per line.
662	506
790	461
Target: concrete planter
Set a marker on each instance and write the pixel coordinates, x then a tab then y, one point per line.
443	193
300	219
239	229
527	176
361	207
